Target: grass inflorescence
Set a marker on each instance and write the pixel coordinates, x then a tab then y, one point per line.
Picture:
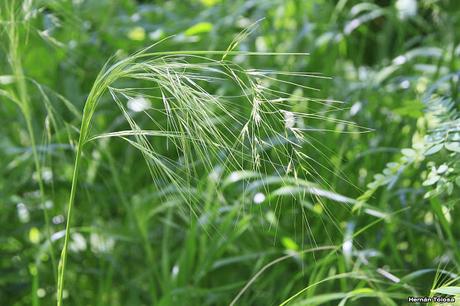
312	161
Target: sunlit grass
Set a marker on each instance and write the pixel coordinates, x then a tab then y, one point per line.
228	177
204	128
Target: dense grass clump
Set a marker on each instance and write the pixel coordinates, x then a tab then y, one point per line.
228	152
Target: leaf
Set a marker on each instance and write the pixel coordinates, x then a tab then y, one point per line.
364	18
410	108
289	244
201	27
6	79
443	168
316	191
457	181
434	149
453	146
137	34
34	235
431	180
210	3
409	152
450	290
239	176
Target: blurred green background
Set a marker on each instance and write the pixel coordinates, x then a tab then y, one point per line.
390	181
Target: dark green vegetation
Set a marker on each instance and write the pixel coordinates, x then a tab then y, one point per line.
223	165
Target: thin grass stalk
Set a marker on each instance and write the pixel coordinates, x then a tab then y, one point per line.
73	190
24	104
156	68
103	80
86	119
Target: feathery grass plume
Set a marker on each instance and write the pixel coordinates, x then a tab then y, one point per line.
250	128
220	140
249	125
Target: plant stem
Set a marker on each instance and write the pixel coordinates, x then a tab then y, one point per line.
26	110
73	190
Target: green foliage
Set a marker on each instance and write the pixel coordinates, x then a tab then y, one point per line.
210	161
435	145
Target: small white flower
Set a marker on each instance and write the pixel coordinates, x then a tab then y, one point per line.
259	198
355	108
47	175
101	244
41	292
23	213
406	8
175	271
139	104
58	219
77	243
400	60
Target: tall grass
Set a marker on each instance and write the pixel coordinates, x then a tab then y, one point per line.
203	125
232	198
19	95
